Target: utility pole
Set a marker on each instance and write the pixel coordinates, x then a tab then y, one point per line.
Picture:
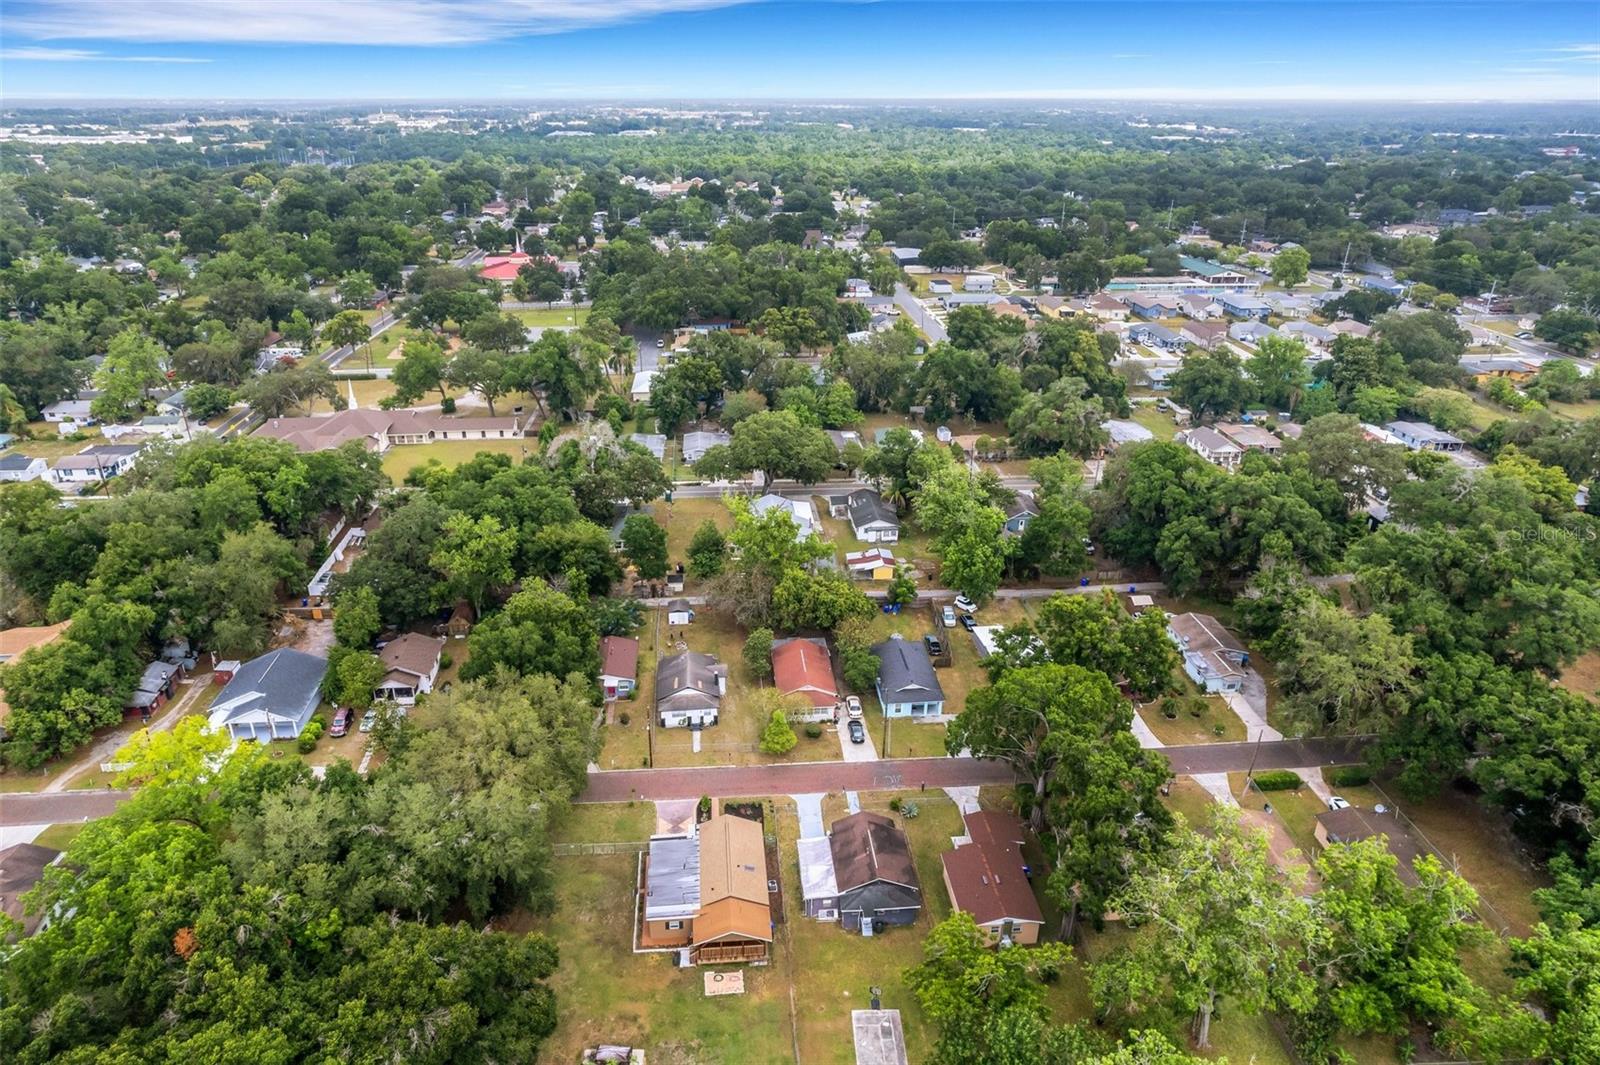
1344	265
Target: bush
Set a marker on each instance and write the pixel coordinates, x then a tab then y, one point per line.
445	661
306	743
894	804
623	718
1219	729
447	405
814	731
1348	776
1277	780
1169	707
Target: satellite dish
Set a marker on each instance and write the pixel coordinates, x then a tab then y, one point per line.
1380	808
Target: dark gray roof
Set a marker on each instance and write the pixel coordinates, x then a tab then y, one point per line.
286	682
867	506
15	461
904	670
687	679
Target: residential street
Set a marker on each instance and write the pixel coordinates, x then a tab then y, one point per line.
920	316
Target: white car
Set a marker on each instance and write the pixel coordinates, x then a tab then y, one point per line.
1336	803
948	615
660	342
965	605
852	707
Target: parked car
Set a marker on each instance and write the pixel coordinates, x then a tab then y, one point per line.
661	342
1337	803
963	603
852	707
935	648
948	616
968	622
368	720
1088	546
858	732
341	722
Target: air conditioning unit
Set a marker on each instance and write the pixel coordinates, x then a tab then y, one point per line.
827	915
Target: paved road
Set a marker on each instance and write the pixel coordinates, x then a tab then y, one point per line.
791	488
648	356
903	774
55	808
382	324
920	316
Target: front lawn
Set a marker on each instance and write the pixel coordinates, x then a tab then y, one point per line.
547	317
450	453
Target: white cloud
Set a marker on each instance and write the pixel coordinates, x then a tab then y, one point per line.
80	55
358	22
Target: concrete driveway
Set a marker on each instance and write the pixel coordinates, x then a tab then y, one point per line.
1250	704
857	752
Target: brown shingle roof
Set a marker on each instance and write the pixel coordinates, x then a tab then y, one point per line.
867	847
412	653
986	876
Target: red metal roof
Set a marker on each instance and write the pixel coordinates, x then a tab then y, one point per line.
801	667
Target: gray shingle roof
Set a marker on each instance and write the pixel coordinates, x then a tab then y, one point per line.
285	681
904	670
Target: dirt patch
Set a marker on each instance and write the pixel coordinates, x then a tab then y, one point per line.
312	637
1583	677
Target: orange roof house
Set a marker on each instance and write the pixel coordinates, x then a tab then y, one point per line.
14	642
804	668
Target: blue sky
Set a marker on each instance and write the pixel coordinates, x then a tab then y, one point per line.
394	50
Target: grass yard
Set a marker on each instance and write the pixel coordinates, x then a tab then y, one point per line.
368	394
45	443
1187	728
58	837
612	822
552	316
449	453
682	517
1158	422
1189	799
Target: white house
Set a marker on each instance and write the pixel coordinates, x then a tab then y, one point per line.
1212	656
69	410
95	463
640	390
873	520
412	664
689	690
800	511
16	467
979	283
697	443
271	697
679	612
1212	446
940	287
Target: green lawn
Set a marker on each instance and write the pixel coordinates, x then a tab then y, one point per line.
612	822
682	517
46	443
58	837
1187	728
368	394
549	316
451	453
1158	422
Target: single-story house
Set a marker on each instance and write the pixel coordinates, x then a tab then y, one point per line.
1203	334
1123	431
22	866
872	519
1251	332
157	684
655	443
1386	285
1249	437
819	890
1420	436
270	697
68	410
1212	656
171	426
19	467
843	438
1107	308
98	462
1310	332
639	391
619	666
1240	306
1153	307
905	256
696	444
873	871
1349	327
1487	367
689	690
803	668
1200	306
379	430
708	892
1155	336
1351	825
978	283
906	683
940	287
873	564
800	511
1212	446
671	890
986	877
679	612
412	664
1019	512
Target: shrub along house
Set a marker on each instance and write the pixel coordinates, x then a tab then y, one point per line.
689	690
906	684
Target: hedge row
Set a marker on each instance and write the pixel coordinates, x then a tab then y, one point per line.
1277	780
1348	776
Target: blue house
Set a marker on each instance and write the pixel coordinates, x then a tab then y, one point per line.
1157	336
1383	284
906	684
1243	306
1151	307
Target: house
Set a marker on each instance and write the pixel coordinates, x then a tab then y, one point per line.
156	686
619	666
655	443
857	288
1107	308
1123	431
803	668
696	444
843	438
689	690
379	430
22	866
1156	336
1200	306
872	519
1019	512
819	889
986	877
639	391
679	612
98	462
1250	437
906	684
800	511
17	467
1212	656
15	641
1243	306
412	664
905	256
1289	306
1351	825
671	890
1386	285
978	283
459	624
270	697
1420	436
68	410
873	564
1217	274
1311	333
1152	307
873	872
1349	327
1486	368
1203	334
1250	332
708	892
940	287
1212	446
